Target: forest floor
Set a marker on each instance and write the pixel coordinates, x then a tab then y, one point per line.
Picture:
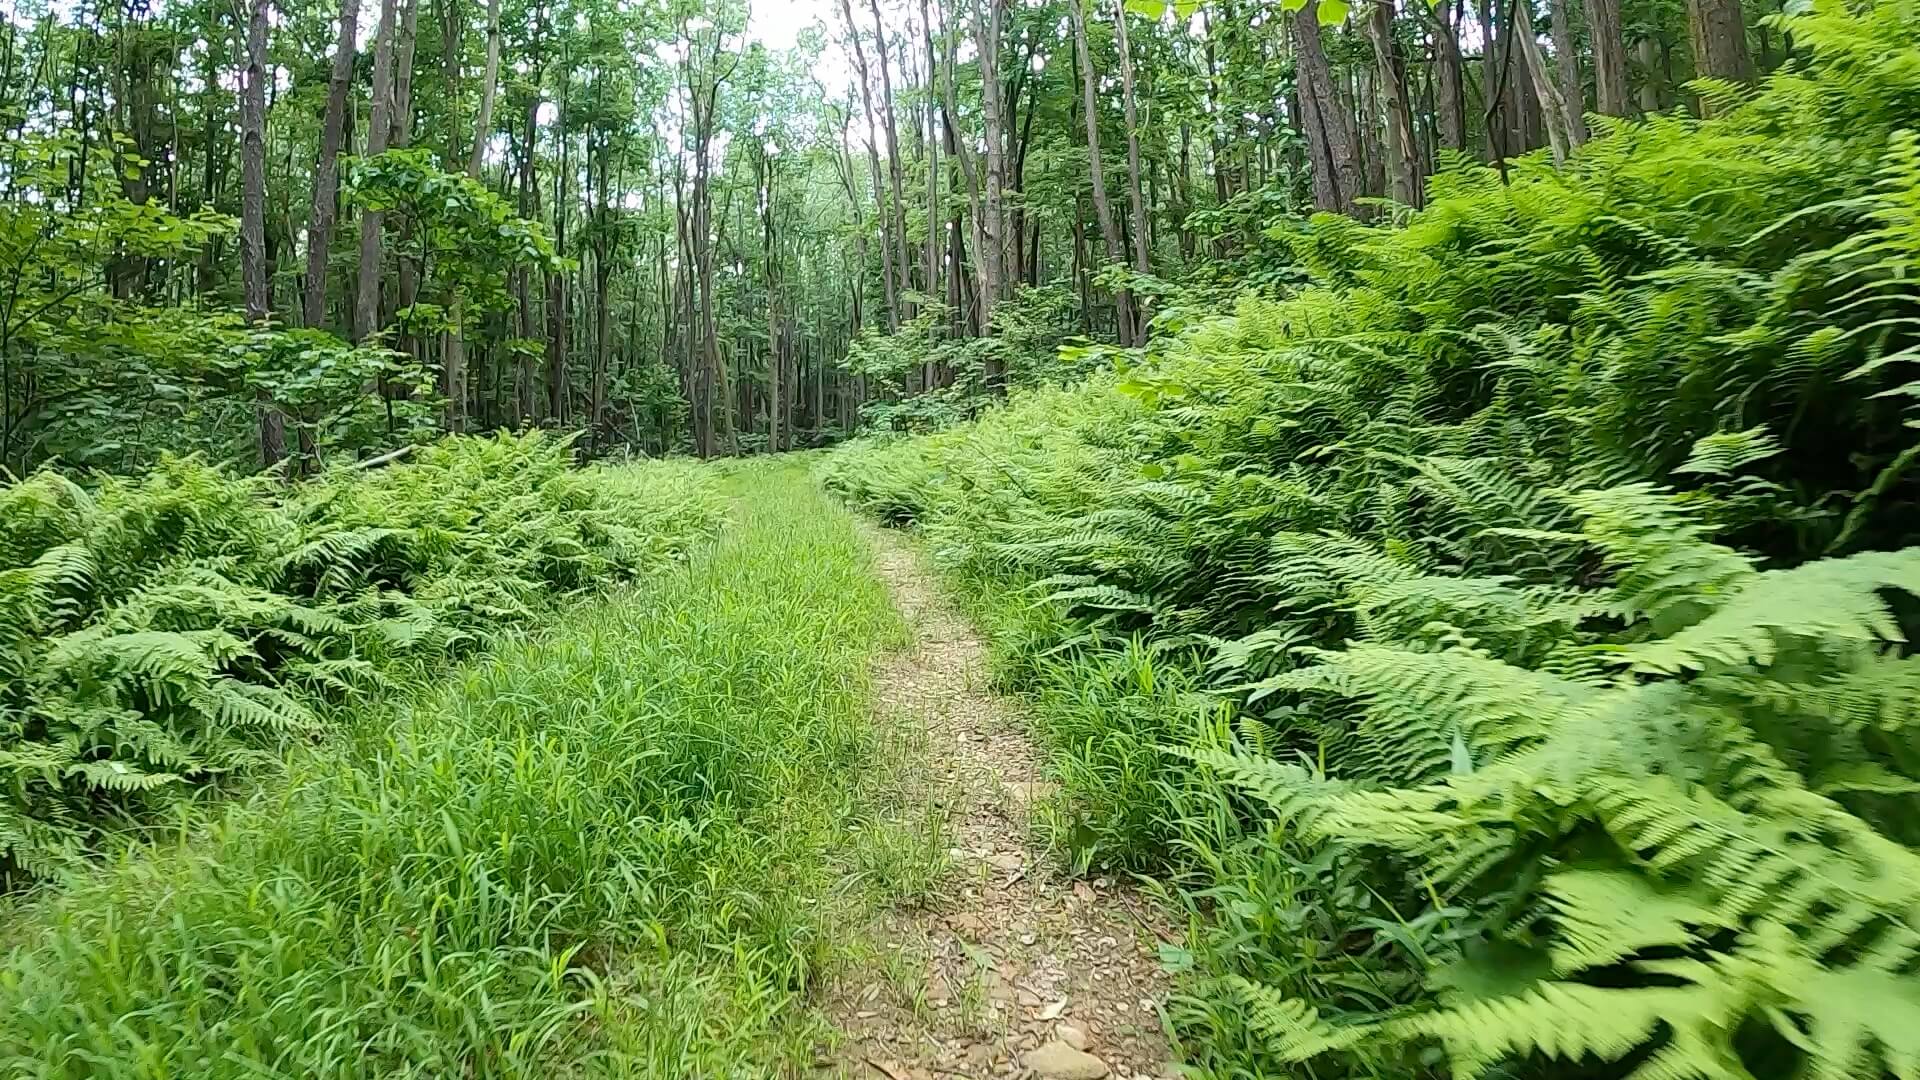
1009	968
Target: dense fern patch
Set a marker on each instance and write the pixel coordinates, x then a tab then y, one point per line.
1545	568
161	633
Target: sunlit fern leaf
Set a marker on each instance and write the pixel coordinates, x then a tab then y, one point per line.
117	775
1830	601
234	704
1292	1027
1727	452
1605	916
1295	793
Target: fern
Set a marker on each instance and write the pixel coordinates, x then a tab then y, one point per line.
164	632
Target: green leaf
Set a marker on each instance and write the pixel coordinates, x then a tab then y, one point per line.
1334	12
1152	9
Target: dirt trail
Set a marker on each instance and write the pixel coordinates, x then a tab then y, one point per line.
1014	970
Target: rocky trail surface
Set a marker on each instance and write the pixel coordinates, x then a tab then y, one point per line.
1011	968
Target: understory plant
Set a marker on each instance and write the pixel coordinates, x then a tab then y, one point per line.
1500	640
161	634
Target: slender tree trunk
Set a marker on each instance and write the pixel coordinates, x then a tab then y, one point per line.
933	165
894	165
326	172
873	160
1449	78
366	305
1336	167
1141	237
1096	172
1645	50
1609	58
990	253
1566	59
489	88
253	216
1559	128
1402	152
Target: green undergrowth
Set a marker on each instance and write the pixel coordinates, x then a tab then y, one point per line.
619	847
1501	645
169	636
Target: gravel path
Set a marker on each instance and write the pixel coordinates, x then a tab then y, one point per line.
1012	969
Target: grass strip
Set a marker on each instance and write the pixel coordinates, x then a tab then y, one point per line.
609	850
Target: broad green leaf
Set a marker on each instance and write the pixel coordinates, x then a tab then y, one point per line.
1334	12
1152	9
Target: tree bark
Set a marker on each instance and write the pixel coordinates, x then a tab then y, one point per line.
990	253
1609	58
1559	129
326	172
1096	172
901	258
1566	60
933	163
1336	168
1141	238
873	161
366	305
1402	152
253	216
1449	78
1644	50
489	88
1718	33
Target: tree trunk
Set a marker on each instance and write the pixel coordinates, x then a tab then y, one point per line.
1096	172
884	218
894	166
1141	238
1566	60
1644	50
1718	33
1609	58
366	305
1402	152
1559	133
1336	168
990	253
933	165
253	216
489	87
326	172
1450	90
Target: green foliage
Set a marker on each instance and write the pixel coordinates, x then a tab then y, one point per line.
460	230
164	632
1029	346
606	850
1502	639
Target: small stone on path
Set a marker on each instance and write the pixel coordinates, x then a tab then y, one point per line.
1058	1060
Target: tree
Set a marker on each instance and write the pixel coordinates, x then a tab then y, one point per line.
1335	167
1718	32
326	171
1096	172
253	217
1610	89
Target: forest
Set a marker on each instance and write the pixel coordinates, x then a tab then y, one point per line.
1034	538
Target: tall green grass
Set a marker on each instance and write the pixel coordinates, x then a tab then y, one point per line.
607	851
